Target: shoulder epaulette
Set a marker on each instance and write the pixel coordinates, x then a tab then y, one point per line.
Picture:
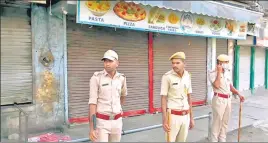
122	74
97	73
167	73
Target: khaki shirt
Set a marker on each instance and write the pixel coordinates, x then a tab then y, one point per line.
106	92
225	82
176	89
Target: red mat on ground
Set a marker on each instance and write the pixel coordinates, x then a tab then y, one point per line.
49	137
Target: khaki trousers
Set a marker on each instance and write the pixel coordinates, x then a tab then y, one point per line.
109	130
179	127
221	110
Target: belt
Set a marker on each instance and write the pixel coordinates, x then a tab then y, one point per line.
181	113
107	117
221	95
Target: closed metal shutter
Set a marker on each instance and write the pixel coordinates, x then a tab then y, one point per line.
259	66
244	68
221	47
86	47
165	46
16	56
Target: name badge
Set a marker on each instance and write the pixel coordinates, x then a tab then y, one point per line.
175	84
105	84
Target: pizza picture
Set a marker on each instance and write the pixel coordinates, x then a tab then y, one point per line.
216	25
129	11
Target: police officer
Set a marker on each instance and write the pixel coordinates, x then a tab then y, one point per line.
176	101
221	102
108	90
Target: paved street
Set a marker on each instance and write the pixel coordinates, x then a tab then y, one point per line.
255	110
254	124
252	133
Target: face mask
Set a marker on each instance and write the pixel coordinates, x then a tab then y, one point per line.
226	66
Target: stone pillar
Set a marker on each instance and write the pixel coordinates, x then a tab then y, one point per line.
211	65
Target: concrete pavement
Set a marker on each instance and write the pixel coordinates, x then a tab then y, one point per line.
254	109
252	133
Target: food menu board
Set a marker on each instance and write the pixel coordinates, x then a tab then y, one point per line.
129	15
252	30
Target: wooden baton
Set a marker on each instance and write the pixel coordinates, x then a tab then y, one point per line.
168	133
239	124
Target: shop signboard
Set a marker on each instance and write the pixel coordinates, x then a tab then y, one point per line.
253	30
129	15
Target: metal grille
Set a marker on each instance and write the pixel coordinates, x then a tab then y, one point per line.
16	56
165	46
86	47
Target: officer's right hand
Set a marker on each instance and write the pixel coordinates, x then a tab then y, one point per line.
93	135
219	68
166	126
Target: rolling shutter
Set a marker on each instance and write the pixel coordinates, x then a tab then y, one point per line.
244	68
86	47
16	56
259	66
221	47
165	46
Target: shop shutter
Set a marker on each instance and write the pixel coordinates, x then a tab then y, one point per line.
86	47
16	56
165	46
259	66
221	47
244	68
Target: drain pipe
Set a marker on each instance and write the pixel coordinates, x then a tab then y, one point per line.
66	97
152	127
141	129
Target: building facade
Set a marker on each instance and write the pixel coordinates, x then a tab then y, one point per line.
48	59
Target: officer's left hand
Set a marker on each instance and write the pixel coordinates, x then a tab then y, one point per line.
242	98
191	124
93	135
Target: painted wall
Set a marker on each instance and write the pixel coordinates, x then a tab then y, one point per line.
47	111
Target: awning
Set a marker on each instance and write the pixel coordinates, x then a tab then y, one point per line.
209	8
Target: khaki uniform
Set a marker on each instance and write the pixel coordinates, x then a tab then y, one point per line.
176	90
221	107
105	92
